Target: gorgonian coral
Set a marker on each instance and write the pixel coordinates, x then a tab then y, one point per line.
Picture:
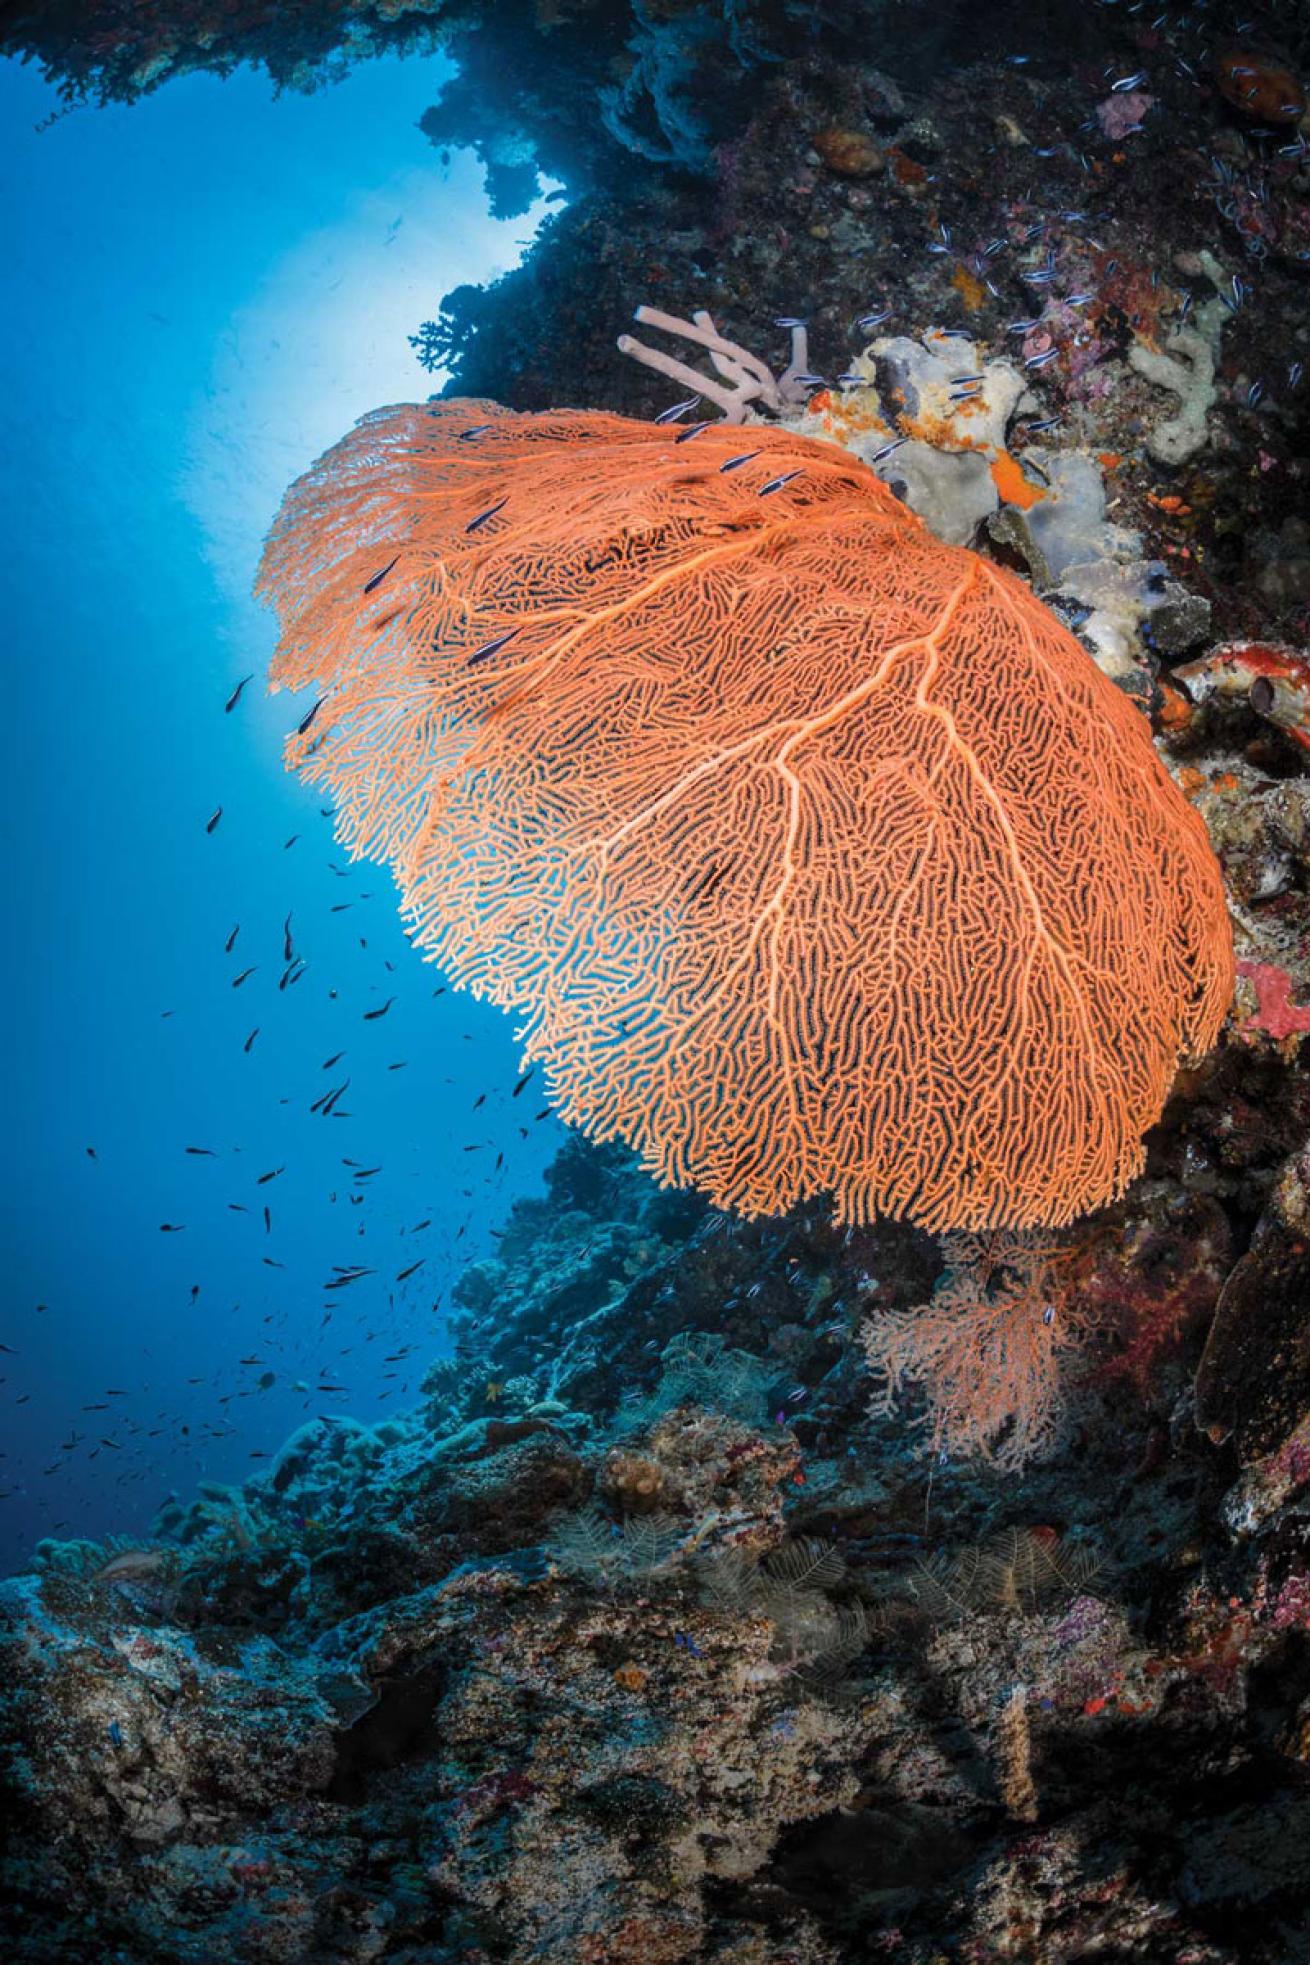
813	854
986	1349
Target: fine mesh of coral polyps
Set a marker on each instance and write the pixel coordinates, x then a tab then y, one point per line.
812	854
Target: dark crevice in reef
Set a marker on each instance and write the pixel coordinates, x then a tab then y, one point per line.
398	1731
866	1867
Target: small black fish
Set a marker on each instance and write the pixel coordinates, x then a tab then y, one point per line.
378	578
235	697
475	525
213	818
230	943
743	457
250	1040
371	1015
238	980
672	414
490	648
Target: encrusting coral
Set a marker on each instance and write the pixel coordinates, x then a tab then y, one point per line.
814	854
1187	370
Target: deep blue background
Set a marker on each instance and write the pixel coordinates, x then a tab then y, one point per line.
204	291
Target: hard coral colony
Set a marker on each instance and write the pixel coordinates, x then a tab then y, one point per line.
815	854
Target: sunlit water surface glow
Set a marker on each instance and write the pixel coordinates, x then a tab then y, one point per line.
205	290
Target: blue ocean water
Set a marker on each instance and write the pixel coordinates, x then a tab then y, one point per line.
205	290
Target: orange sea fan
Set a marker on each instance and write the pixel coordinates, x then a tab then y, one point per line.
986	1349
813	854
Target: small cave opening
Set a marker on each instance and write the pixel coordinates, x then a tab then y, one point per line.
400	1729
866	1869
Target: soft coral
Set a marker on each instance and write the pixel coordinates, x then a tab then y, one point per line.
987	1347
